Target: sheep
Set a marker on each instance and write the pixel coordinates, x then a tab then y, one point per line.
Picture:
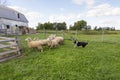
34	44
55	42
43	42
52	43
59	39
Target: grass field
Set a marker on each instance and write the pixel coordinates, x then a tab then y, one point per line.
98	61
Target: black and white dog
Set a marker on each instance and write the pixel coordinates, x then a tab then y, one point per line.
78	43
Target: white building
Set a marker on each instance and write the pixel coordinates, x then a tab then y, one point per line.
11	19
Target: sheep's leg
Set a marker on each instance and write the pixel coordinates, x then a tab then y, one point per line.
51	46
40	48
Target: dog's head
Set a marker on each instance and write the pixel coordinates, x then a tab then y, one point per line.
74	41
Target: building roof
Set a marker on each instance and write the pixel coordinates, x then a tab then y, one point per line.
11	14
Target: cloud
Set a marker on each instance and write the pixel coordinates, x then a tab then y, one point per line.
103	10
69	18
32	16
81	2
64	17
103	15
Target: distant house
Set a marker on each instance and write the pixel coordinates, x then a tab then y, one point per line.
12	20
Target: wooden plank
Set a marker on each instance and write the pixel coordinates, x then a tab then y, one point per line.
8	58
7	52
7	40
5	46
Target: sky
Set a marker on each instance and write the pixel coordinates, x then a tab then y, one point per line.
101	13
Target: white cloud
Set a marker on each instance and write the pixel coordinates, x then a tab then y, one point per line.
103	10
69	18
64	17
111	23
81	2
32	16
61	17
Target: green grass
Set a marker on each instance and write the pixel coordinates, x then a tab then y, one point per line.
98	61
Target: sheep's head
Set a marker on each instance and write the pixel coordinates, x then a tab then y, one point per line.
52	36
28	39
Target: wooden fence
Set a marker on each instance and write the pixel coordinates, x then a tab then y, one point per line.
9	48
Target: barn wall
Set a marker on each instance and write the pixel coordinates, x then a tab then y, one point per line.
12	25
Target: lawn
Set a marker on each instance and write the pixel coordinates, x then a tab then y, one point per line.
97	61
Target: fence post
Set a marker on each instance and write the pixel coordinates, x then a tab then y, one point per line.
76	33
44	33
6	32
16	35
102	35
56	30
62	33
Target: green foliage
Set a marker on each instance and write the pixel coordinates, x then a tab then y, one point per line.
88	27
79	25
61	26
52	26
46	25
104	28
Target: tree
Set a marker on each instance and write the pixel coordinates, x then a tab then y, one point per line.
40	26
48	26
61	26
112	28
52	26
72	27
88	27
95	28
100	28
79	25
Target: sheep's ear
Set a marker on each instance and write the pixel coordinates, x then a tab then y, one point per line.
28	39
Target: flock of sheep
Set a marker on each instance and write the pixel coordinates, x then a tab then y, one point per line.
52	41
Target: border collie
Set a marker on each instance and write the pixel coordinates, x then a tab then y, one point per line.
78	43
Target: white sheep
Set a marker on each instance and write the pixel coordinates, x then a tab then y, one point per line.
59	39
52	43
43	42
34	44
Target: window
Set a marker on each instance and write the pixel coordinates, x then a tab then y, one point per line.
8	26
16	25
18	15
